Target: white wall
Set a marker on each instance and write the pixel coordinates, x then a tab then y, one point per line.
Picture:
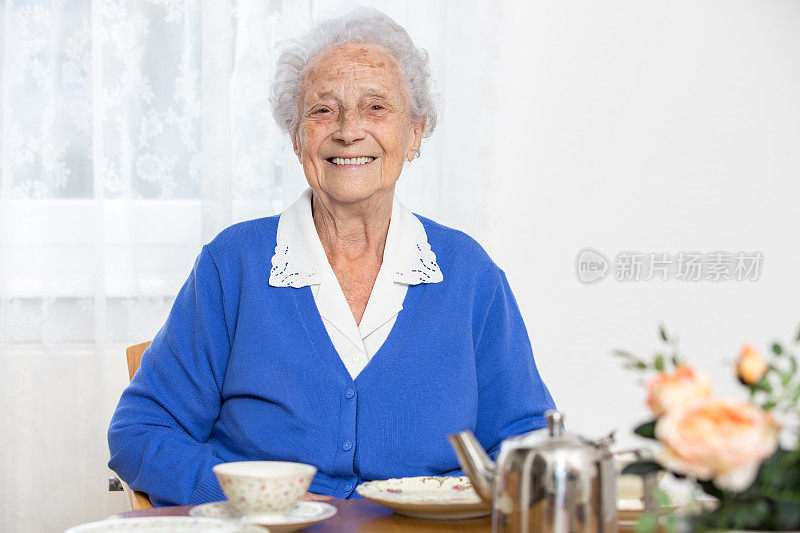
646	126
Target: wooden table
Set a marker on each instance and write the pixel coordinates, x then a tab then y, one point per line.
357	515
364	516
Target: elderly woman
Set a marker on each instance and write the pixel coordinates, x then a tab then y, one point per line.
347	332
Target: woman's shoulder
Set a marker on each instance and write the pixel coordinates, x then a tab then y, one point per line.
458	252
248	236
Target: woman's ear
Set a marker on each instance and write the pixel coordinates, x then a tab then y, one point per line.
296	145
418	129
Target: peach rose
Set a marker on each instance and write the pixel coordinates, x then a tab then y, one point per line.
751	366
673	391
719	439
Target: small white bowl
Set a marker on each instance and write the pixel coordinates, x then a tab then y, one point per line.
262	488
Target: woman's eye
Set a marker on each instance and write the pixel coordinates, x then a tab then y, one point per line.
321	111
377	107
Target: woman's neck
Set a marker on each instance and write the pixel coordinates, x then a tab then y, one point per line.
353	231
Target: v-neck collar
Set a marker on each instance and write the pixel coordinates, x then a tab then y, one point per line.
315	329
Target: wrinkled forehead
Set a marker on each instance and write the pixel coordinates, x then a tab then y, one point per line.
353	67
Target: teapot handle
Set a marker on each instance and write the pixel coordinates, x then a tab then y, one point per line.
649	480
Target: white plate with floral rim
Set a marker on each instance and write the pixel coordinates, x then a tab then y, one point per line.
167	524
630	510
304	514
437	497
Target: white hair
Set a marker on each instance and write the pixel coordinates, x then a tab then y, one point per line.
362	25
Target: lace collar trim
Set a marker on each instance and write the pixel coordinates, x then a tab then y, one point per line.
296	253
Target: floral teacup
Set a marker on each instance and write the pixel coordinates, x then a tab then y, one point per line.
264	487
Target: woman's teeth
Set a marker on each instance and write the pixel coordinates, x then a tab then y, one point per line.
352	160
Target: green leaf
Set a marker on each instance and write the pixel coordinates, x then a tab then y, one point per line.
676	362
750	514
642	468
762	384
647	430
662	498
663	332
787	516
625	354
796	395
721	518
777	349
647	523
671	523
769	405
787	376
659	363
797	337
792	368
711	489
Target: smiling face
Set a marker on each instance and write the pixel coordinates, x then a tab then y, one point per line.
355	129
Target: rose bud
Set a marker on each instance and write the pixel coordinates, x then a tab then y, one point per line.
751	367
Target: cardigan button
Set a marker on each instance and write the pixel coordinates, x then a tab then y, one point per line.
350	393
347	445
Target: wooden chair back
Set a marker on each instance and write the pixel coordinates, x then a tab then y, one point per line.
134	354
138	500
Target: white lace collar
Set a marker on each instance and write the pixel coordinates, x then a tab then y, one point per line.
299	250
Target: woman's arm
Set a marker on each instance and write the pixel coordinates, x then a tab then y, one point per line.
158	435
512	398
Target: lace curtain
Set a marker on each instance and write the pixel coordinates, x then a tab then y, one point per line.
132	132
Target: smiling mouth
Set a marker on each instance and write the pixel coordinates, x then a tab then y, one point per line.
342	161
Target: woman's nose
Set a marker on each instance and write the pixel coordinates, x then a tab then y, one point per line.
350	128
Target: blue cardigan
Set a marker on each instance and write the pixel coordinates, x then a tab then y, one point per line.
245	371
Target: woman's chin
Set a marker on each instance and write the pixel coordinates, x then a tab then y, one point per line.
354	191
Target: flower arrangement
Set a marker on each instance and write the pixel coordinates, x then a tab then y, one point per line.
735	450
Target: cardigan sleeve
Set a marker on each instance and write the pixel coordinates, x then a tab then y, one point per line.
159	432
512	398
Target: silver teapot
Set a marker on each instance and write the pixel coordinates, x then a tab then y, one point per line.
546	481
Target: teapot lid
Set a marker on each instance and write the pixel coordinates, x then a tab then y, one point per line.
556	439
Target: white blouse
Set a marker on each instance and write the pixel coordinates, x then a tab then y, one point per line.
300	261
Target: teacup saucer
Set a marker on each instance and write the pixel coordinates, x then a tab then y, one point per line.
304	514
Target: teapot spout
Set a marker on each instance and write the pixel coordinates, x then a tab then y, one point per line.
475	462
